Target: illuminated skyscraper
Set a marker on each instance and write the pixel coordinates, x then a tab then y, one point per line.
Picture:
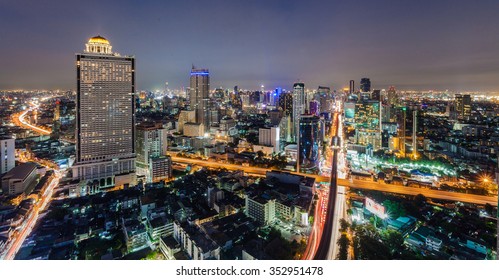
368	123
199	98
105	120
286	103
299	106
466	112
310	141
392	96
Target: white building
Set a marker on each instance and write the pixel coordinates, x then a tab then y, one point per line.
195	243
262	210
433	243
270	137
151	142
105	122
7	154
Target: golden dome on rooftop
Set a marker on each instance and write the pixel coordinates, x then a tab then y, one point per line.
99	40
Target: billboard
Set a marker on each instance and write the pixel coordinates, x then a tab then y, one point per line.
375	208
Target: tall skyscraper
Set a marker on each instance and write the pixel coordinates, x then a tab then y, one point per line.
299	106
466	113
392	96
325	99
368	123
286	103
7	154
365	85
105	120
415	133
310	141
458	104
199	95
352	87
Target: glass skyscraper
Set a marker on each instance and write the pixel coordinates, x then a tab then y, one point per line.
310	143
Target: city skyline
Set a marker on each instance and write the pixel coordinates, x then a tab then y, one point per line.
265	45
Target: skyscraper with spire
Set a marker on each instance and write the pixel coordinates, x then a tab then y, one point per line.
105	120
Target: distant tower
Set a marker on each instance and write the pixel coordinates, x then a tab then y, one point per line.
299	106
414	133
352	87
392	96
105	121
365	85
466	106
57	111
402	132
199	95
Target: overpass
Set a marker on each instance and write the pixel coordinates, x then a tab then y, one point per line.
355	184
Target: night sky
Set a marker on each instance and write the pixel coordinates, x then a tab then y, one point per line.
424	44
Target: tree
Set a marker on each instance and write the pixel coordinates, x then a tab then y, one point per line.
394	240
420	200
343	243
344	225
489	208
394	209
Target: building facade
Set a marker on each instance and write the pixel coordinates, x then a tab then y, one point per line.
199	98
105	120
19	179
151	142
310	143
7	154
299	106
270	137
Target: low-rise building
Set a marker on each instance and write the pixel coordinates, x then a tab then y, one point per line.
169	247
195	243
20	179
433	243
135	235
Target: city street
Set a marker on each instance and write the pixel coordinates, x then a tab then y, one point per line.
27	226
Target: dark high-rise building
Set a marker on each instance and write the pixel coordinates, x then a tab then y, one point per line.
352	87
466	106
314	107
105	120
462	105
199	98
392	96
286	103
376	95
365	85
310	142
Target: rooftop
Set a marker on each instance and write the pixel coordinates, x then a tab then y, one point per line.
21	171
